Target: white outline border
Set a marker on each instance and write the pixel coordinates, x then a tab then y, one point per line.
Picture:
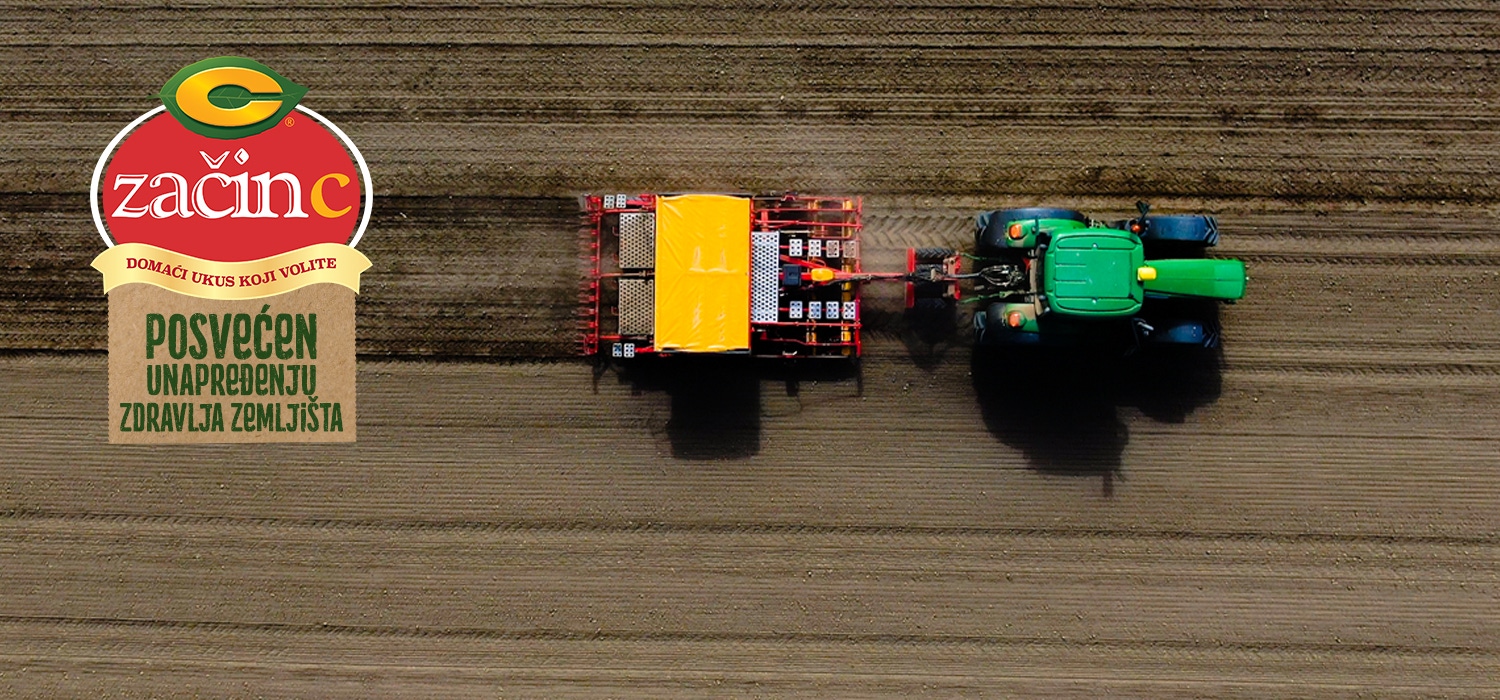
359	158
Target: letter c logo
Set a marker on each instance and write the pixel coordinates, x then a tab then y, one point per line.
229	97
319	204
192	96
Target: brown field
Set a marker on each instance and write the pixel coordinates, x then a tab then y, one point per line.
1316	514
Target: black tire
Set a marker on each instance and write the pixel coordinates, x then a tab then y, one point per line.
1191	229
1186	333
1181	313
933	255
989	233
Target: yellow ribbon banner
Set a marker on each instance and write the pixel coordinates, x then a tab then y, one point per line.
251	279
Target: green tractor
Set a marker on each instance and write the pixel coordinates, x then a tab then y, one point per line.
1046	276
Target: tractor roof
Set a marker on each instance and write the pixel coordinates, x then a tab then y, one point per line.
1092	272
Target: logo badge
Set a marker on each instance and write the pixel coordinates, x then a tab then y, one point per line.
230	215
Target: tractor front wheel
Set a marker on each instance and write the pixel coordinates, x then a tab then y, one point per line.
1181	228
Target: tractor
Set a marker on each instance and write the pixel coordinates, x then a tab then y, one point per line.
1055	277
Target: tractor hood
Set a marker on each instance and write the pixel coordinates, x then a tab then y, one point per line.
1092	272
1209	279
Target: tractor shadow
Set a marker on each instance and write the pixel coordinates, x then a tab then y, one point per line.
716	403
1062	407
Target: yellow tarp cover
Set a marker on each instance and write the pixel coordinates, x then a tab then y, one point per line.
703	273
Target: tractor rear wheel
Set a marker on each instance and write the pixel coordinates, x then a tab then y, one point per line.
990	328
989	229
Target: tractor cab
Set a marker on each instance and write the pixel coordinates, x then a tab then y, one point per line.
1094	272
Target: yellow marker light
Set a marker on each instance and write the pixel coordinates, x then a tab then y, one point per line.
1015	232
1015	319
1146	273
822	274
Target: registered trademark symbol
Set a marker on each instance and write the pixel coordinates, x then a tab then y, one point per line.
290	121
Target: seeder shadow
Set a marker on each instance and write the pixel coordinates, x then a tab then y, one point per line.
1062	407
716	400
716	403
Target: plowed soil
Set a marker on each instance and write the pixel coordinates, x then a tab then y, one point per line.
1311	514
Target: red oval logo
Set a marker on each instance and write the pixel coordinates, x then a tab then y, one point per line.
296	184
